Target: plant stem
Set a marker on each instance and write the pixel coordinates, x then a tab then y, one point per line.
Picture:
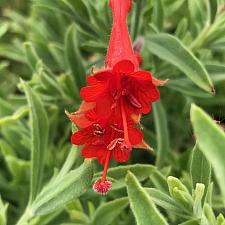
24	219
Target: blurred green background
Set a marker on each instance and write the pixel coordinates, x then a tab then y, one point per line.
52	45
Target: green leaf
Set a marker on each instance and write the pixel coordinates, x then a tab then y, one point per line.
220	220
107	212
62	190
117	174
162	133
209	214
18	168
170	49
11	52
79	217
200	169
31	55
211	141
18	114
3	29
187	87
213	5
166	202
191	222
158	14
80	14
179	192
94	46
39	136
144	209
182	28
159	181
198	195
136	18
74	58
3	212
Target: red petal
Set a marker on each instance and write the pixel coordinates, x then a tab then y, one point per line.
124	66
86	106
102	152
135	135
142	75
90	151
103	75
89	94
104	105
120	155
154	93
81	120
80	137
91	80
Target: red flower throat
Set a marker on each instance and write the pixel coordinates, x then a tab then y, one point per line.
114	101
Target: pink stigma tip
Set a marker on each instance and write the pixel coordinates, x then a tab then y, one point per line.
102	187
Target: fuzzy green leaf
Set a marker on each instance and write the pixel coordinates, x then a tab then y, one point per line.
166	202
39	135
211	141
107	212
141	203
63	190
74	58
3	212
31	55
200	169
158	14
162	133
170	49
191	222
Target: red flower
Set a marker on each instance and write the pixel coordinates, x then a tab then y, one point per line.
108	135
115	100
121	83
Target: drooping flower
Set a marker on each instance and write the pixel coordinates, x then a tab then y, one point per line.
114	101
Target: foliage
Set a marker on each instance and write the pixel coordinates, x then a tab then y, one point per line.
47	47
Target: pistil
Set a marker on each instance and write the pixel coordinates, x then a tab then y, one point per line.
126	144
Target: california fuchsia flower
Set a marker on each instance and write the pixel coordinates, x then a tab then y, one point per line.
114	101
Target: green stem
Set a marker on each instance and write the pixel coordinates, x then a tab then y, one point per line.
24	219
199	41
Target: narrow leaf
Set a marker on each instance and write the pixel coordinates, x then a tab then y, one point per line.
3	212
211	141
31	55
107	212
166	202
162	133
144	209
136	17
63	190
170	49
200	169
191	222
158	14
73	57
39	136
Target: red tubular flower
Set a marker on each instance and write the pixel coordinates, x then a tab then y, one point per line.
115	100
